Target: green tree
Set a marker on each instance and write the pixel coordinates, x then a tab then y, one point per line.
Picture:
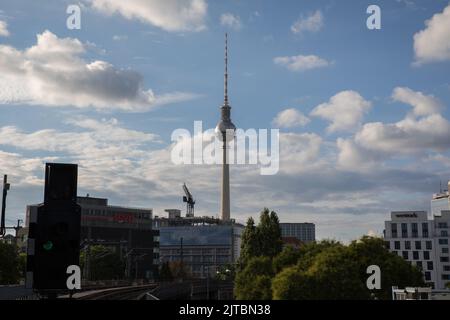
253	282
10	270
262	240
395	271
289	256
250	242
23	264
330	271
165	274
269	234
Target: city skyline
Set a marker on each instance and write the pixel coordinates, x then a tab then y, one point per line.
363	114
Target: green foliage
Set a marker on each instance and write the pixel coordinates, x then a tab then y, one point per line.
165	274
269	234
253	282
292	284
330	271
250	245
10	269
395	271
226	272
262	240
23	264
289	256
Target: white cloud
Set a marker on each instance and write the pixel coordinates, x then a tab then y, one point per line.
433	43
301	62
406	136
290	118
299	152
169	15
345	111
312	23
353	157
422	104
52	73
3	29
424	132
120	37
231	21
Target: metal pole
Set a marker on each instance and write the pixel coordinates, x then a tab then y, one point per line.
5	192
207	283
181	258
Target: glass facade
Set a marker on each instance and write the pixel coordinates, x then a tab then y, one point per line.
196	236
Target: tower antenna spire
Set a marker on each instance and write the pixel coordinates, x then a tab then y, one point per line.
226	71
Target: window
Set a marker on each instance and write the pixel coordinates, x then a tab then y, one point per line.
429	265
442	225
429	245
425	230
404	230
397	245
426	255
419	265
444	259
394	230
444	250
446	277
444	233
418	245
405	255
415	232
416	255
408	245
427	276
446	268
443	241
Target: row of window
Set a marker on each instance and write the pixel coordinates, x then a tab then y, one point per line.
415	230
188	252
104	212
199	259
417	245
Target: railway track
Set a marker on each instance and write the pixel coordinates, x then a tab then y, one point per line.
122	293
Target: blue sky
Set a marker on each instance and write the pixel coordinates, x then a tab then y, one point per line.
382	143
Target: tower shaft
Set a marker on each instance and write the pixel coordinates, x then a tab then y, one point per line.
225	201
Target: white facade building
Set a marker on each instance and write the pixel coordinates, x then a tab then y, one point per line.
423	242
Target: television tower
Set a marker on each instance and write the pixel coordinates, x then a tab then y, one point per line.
225	130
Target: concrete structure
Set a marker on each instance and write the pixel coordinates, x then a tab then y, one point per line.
128	230
423	242
225	131
305	232
202	249
440	201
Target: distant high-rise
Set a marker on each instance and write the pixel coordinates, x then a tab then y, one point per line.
225	130
305	232
440	201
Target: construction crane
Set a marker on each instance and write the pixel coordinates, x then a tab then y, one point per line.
189	202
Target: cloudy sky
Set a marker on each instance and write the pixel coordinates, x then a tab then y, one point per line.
363	114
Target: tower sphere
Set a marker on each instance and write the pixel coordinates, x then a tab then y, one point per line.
225	128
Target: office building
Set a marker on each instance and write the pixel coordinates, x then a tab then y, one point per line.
440	201
305	232
128	230
203	244
422	241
